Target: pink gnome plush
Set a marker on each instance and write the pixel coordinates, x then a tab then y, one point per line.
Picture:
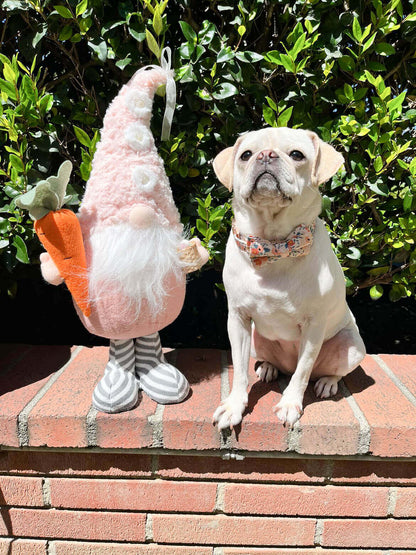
135	249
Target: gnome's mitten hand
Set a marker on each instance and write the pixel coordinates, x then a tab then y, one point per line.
50	272
193	255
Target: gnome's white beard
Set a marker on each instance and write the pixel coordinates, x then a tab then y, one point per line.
137	261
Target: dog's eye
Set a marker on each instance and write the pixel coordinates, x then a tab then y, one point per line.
297	155
246	155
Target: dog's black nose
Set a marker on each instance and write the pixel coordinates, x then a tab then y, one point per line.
266	156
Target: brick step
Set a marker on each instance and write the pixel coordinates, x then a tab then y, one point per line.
45	401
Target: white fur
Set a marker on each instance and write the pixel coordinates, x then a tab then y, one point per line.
139	103
297	305
138	137
138	261
145	178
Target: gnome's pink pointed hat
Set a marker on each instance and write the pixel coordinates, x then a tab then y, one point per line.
127	169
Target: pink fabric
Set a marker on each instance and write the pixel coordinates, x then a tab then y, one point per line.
114	317
111	194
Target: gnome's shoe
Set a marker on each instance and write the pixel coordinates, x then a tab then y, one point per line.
118	390
161	381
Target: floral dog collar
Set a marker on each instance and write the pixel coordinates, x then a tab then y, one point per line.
261	251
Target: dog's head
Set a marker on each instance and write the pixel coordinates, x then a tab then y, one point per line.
274	166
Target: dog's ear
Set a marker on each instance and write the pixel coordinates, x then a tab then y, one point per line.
327	160
223	166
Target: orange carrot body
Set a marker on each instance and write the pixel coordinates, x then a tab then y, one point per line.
60	233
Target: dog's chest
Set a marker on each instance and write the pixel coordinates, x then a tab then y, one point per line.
276	303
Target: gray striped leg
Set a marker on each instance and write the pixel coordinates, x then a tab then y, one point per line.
118	389
161	381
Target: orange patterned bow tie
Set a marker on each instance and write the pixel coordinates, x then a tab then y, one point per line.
261	251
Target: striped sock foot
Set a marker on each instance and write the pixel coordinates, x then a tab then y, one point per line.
161	381
118	389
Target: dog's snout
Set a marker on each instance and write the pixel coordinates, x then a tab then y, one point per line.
266	156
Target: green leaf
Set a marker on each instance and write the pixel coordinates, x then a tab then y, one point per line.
21	250
378	164
123	63
81	7
157	22
64	12
356	30
188	32
384	49
39	35
66	33
225	91
16	163
100	49
201	227
396	102
284	117
82	136
376	292
152	44
8	88
225	55
354	254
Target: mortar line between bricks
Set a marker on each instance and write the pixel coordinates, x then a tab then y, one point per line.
384	366
91	427
46	492
364	437
22	419
391	501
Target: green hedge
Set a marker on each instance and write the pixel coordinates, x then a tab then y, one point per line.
349	74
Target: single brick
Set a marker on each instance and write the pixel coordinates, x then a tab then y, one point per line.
327	426
21	491
127	430
404	367
142	495
59	418
83	525
13	546
73	463
24	373
84	548
405	503
227	530
287	500
249	469
188	425
386	533
390	415
260	429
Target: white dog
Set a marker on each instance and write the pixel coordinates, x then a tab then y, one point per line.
284	285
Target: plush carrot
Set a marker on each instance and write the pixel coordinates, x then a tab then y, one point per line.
59	232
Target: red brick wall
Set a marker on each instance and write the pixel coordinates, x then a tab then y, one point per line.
76	503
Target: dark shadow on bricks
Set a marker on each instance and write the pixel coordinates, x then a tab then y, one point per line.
260	389
31	364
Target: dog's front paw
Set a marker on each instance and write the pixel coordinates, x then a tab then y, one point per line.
288	410
267	372
230	412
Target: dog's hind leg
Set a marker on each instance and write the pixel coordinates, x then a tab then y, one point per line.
266	372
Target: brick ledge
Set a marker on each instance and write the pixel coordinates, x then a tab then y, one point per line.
45	402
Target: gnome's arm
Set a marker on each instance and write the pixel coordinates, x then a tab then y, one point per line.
49	271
